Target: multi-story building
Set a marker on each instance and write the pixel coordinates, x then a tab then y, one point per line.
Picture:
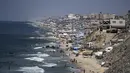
95	22
114	23
117	23
108	16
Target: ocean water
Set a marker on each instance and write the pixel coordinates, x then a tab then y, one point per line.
21	54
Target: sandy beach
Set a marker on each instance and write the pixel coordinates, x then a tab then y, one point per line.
87	64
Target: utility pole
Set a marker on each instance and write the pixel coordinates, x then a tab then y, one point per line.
100	29
127	27
128	19
100	21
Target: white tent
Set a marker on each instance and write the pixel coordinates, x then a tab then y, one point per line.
65	34
76	52
108	49
98	53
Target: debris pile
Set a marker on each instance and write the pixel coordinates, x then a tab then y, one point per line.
118	60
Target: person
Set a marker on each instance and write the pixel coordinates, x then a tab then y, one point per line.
92	71
77	54
61	51
75	61
65	65
125	47
52	67
84	71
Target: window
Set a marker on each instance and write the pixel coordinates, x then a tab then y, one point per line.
106	22
113	21
120	22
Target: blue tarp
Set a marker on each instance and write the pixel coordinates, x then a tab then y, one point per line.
75	48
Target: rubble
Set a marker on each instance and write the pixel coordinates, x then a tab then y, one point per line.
119	58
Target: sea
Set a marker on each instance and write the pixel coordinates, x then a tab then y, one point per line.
21	52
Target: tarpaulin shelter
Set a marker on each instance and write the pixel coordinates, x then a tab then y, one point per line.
76	48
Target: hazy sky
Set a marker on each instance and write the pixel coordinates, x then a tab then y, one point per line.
31	9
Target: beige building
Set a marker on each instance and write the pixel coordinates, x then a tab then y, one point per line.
100	16
117	23
95	22
109	16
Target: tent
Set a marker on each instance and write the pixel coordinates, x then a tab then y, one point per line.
75	51
108	49
65	34
76	48
87	52
98	53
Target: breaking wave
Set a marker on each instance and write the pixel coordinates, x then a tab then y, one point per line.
39	54
51	50
38	47
34	69
49	65
37	37
35	59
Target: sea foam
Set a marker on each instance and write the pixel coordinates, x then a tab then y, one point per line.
51	50
37	47
49	65
35	59
39	54
34	69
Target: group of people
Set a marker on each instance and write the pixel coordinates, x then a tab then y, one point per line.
73	60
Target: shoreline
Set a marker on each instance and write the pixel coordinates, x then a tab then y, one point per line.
86	65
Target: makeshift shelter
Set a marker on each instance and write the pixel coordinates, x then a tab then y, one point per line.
76	48
87	52
90	44
98	55
108	49
65	34
75	51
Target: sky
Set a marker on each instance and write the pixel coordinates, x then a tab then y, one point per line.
20	10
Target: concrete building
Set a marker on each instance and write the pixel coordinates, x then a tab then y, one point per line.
85	16
71	16
100	16
94	16
127	18
95	22
117	23
108	16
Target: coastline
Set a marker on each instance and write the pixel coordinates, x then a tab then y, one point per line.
86	65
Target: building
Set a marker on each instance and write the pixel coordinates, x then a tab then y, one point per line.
108	16
94	16
117	23
73	16
95	22
127	18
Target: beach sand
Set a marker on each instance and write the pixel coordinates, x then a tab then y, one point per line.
89	64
